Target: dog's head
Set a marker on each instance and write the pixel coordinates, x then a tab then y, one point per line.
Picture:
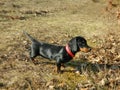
79	44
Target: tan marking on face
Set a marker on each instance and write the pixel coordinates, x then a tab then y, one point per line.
84	49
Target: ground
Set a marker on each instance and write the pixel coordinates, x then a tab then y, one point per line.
56	22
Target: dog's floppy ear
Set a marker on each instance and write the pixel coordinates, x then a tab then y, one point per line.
73	44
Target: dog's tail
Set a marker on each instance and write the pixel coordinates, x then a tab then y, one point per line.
29	36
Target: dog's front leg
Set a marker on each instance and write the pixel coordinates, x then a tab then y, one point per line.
58	66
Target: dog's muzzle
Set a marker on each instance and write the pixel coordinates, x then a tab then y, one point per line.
85	49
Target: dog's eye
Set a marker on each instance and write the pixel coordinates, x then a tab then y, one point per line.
83	42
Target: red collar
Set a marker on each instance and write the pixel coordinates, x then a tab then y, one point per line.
68	51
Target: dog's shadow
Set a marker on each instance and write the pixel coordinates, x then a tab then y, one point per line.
83	66
87	66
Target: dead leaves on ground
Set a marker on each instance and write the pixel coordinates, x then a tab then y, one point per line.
106	53
106	59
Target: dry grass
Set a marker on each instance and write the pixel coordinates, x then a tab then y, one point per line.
57	21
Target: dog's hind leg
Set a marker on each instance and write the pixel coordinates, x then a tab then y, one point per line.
33	54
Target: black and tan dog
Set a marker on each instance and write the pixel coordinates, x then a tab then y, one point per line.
61	54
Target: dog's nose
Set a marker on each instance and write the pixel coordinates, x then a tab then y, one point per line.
89	49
